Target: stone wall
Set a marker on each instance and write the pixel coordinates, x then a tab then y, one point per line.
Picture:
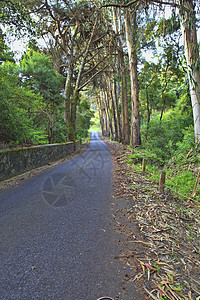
20	160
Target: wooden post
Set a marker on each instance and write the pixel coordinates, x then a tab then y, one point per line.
162	182
196	185
144	164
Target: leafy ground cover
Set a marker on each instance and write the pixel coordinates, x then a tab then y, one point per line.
182	171
161	233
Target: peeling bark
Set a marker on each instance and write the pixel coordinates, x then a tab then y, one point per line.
124	99
113	108
188	26
132	53
117	112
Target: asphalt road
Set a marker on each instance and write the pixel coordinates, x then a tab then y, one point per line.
56	239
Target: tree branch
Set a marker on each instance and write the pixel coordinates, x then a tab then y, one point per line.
167	3
94	67
120	5
171	3
97	73
49	10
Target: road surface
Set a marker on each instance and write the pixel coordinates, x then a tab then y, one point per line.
56	237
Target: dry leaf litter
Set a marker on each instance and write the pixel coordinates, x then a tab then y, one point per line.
162	234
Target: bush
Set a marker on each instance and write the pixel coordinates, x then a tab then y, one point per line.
188	142
19	107
84	116
165	137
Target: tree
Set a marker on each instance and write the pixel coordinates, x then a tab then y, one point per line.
84	116
117	24
38	74
78	29
189	32
5	53
188	25
19	108
150	86
16	16
131	38
131	24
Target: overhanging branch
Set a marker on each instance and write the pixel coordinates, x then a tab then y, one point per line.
120	5
171	3
90	70
86	83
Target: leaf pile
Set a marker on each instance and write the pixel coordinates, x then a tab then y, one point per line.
161	234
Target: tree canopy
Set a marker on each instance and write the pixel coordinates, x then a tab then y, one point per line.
100	47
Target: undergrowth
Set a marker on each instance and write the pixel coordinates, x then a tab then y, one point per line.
180	176
181	163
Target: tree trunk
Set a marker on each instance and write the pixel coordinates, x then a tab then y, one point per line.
105	116
68	83
189	32
72	132
126	126
117	112
101	114
148	103
148	108
107	106
132	53
113	108
124	98
71	104
67	101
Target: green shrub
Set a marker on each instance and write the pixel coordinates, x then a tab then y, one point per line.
163	137
184	146
19	107
181	181
170	145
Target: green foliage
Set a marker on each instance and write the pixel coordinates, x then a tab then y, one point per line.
162	86
15	15
84	116
187	142
164	137
171	147
19	107
5	53
32	102
59	130
95	122
37	72
176	179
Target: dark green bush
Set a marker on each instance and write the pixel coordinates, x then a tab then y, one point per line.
165	137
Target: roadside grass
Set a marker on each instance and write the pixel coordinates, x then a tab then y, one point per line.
181	173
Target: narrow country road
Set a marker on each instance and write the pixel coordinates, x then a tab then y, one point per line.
56	238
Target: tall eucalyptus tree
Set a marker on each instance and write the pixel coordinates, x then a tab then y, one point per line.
117	24
131	37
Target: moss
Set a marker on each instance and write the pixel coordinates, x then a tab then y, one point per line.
19	160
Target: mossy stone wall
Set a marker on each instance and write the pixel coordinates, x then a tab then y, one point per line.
20	160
